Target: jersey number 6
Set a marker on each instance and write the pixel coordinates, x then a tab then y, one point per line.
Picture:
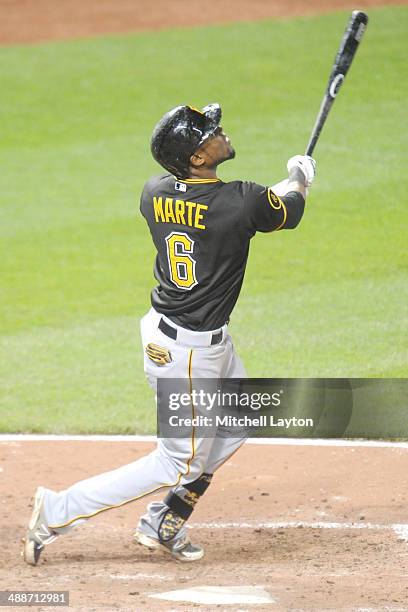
181	263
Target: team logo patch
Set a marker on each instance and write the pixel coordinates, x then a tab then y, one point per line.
180	186
158	354
274	200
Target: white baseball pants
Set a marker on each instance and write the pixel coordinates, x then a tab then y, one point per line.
174	461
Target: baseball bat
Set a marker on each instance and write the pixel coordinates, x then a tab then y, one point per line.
345	55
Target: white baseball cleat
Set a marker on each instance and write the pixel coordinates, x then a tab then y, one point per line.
181	549
38	533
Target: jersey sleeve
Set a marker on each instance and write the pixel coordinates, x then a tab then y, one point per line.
145	199
264	211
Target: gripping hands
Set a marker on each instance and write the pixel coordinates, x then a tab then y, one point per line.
302	168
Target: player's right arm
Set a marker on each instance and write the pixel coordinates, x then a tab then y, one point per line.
302	170
268	209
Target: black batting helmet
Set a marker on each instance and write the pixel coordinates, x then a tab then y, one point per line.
179	133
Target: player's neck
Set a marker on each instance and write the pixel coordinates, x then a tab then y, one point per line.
203	173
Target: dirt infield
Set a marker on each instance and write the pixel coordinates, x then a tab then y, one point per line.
27	21
320	529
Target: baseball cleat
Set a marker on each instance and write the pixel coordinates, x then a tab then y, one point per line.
38	533
181	550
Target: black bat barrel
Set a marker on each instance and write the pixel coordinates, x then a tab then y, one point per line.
347	50
348	47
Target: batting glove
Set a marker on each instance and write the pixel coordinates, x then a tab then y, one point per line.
302	168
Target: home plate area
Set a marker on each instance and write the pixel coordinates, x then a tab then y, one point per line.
326	573
294	566
219	595
284	527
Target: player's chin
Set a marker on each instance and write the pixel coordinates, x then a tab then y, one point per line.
230	153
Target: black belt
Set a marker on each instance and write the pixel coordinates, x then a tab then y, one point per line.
171	332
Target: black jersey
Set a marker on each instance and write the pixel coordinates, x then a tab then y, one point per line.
201	229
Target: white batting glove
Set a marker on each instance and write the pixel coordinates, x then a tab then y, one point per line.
302	168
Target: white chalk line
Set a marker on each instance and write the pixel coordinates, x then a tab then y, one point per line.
298	524
400	529
74	438
266	441
142	576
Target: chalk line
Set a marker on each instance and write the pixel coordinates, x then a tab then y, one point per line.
298	525
262	441
400	529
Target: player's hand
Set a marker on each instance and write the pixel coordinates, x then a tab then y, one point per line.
302	168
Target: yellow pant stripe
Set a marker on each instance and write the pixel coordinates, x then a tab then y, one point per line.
162	486
190	376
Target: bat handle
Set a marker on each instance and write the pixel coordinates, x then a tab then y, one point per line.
321	118
311	146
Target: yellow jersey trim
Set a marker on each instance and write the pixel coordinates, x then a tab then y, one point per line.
209	180
162	486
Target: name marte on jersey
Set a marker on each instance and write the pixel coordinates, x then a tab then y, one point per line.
168	210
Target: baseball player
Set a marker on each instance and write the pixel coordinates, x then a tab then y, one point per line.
201	228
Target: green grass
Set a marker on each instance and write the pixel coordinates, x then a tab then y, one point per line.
328	299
